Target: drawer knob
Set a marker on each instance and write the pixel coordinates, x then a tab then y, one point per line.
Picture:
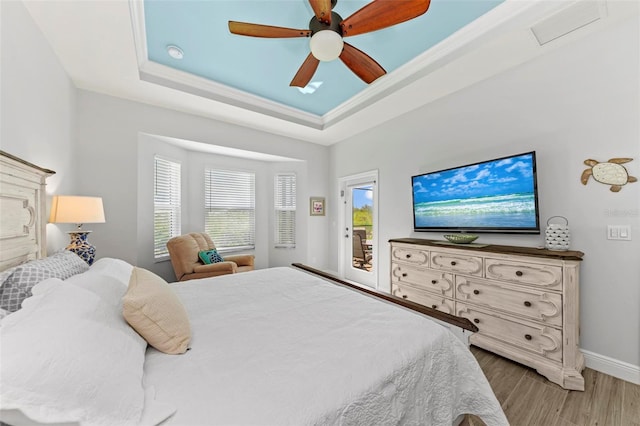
408	256
527	303
476	320
453	263
434	306
476	291
404	296
434	281
519	273
404	274
527	336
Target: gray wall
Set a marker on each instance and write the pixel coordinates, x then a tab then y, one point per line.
92	142
37	106
108	133
193	166
578	102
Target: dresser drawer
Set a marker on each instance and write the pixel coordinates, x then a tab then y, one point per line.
424	298
538	305
525	301
456	263
547	276
410	255
520	334
425	279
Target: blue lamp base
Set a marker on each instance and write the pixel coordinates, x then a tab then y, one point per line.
80	246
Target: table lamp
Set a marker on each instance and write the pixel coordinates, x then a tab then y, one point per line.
78	210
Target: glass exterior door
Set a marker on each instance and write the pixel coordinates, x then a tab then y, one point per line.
360	265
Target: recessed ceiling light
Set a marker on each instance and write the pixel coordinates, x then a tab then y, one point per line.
175	52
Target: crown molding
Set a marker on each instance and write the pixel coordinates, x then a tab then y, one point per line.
512	15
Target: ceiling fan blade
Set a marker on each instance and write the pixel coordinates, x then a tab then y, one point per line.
361	64
306	71
382	14
267	31
322	9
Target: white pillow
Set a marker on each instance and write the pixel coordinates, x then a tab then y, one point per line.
116	268
67	356
108	288
107	277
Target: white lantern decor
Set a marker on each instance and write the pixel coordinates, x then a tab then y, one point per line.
557	236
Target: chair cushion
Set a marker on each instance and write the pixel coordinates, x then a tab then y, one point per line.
210	256
152	308
241	259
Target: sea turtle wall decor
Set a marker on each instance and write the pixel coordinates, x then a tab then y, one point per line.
610	173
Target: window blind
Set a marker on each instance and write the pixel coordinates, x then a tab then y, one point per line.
285	210
167	204
230	208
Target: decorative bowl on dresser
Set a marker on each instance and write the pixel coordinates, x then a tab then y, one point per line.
461	238
524	300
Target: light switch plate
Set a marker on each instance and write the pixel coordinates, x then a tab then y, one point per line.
619	232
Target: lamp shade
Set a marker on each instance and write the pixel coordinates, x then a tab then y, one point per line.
75	209
326	45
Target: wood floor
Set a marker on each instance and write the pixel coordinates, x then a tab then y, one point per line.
528	399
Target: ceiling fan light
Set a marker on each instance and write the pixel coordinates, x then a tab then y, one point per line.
326	45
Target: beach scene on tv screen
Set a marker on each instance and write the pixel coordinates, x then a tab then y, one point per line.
494	194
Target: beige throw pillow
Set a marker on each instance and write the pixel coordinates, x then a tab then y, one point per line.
156	313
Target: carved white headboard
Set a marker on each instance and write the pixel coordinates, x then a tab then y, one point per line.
22	211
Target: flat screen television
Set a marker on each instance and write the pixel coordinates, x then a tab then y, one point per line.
498	195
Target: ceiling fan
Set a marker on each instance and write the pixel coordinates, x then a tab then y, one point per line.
327	30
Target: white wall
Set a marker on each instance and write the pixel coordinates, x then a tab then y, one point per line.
108	138
91	141
193	166
37	106
578	102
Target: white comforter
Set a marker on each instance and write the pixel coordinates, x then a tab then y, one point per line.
281	347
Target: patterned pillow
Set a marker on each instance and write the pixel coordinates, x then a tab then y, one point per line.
6	274
210	256
17	286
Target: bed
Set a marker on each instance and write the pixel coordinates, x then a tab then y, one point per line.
280	346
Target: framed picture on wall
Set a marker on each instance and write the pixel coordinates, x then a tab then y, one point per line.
316	206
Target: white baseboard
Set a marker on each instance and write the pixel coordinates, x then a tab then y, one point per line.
613	367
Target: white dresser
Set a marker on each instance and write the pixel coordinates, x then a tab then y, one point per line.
523	300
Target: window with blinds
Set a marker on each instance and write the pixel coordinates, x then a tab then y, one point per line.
285	210
167	204
230	218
